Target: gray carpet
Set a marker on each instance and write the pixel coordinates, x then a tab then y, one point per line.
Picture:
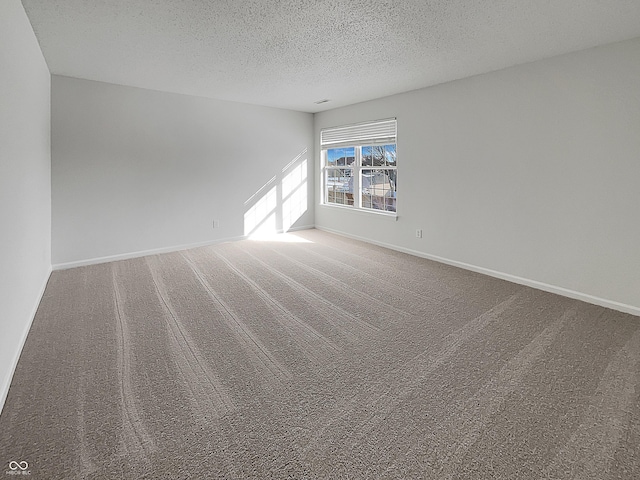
325	359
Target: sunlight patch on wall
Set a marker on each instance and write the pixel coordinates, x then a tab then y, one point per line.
266	229
261	216
260	190
282	205
294	179
294	207
294	194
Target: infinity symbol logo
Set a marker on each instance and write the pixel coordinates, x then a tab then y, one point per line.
13	465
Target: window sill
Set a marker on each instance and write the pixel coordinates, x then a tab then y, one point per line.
362	211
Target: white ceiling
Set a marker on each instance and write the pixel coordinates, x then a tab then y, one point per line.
291	53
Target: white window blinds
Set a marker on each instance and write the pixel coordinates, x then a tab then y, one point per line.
380	132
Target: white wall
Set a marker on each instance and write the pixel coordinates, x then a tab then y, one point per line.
532	172
25	183
136	170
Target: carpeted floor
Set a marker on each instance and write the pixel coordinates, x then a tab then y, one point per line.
324	358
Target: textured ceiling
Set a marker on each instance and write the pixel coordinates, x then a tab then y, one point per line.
289	54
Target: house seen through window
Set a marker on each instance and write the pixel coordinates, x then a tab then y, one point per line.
360	166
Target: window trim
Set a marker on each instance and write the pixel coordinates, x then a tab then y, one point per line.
372	133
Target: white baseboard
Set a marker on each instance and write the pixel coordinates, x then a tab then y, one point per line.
155	251
4	389
141	253
603	302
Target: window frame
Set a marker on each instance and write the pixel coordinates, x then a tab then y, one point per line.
357	168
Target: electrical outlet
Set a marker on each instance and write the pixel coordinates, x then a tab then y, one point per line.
419	233
216	224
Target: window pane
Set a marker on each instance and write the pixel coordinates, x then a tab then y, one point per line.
393	175
367	156
339	186
378	189
390	154
341	157
379	155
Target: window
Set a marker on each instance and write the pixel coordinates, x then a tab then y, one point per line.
359	167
